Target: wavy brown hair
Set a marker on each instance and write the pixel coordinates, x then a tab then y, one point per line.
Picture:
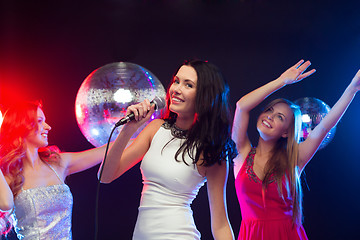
283	164
19	121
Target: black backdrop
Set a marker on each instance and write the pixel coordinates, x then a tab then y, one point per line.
47	48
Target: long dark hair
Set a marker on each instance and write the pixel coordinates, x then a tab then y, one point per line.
210	135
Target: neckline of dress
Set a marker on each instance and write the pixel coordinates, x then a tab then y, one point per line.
175	130
46	186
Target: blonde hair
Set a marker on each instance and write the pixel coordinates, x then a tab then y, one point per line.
284	161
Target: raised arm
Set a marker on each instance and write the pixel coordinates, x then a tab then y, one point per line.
6	195
308	148
216	184
79	161
119	159
248	102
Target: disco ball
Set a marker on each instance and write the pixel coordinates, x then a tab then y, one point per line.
106	93
313	110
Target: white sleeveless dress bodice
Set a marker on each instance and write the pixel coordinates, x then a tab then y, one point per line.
44	213
169	187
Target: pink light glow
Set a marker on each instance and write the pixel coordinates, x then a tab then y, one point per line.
1	118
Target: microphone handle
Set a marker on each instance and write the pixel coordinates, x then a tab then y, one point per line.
129	117
125	120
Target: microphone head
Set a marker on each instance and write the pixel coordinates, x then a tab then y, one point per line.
159	102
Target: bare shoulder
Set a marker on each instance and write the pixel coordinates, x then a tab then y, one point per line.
149	131
156	123
154	126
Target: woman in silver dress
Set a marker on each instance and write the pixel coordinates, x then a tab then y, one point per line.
32	175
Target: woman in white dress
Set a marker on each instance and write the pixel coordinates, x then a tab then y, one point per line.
191	145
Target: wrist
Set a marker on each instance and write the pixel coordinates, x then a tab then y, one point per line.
280	82
130	128
352	88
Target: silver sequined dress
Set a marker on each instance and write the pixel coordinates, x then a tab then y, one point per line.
44	213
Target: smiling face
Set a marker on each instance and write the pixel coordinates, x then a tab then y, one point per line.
274	122
38	137
182	92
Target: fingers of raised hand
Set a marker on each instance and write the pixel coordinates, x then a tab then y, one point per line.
298	64
306	74
303	66
296	72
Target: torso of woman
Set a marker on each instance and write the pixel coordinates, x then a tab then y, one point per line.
265	213
169	188
43	208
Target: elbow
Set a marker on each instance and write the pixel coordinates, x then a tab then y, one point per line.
103	175
105	179
109	175
224	232
7	204
241	104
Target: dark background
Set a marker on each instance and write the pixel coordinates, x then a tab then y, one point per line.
47	49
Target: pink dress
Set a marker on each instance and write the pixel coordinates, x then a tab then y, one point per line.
265	216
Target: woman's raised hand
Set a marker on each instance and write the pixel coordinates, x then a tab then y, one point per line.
297	72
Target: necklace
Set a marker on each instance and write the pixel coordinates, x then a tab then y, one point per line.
175	130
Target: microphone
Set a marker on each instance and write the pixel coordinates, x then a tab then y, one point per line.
159	103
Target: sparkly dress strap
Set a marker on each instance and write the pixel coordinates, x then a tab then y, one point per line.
54	172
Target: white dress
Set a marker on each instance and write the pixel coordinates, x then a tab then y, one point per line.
169	188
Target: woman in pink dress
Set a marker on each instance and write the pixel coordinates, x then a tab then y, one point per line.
267	177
